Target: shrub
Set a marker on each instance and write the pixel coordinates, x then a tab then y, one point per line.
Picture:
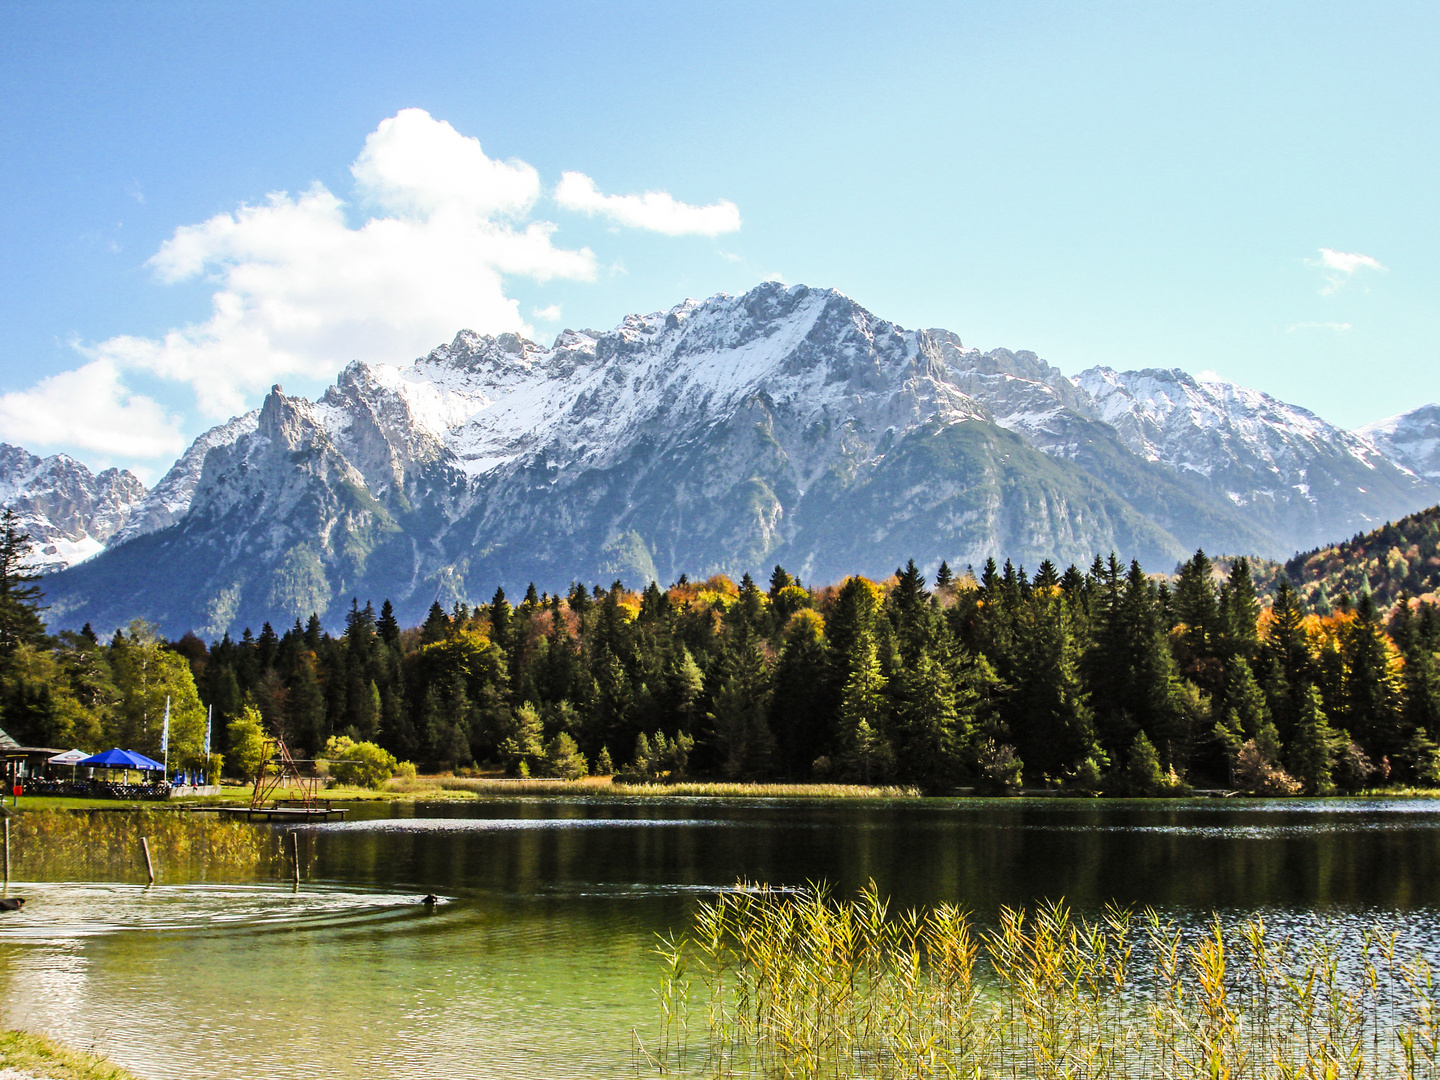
360	763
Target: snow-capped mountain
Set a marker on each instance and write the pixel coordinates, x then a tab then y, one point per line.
1303	480
69	512
1411	439
786	425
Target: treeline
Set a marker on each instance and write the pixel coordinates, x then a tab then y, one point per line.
1097	680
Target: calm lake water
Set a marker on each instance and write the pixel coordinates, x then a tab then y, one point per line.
538	961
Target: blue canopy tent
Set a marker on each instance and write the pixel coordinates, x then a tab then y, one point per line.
121	759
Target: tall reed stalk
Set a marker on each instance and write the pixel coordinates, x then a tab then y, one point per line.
802	984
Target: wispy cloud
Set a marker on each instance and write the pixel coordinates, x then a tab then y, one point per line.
551	313
1338	267
1337	326
657	211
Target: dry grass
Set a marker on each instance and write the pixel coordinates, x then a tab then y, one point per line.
420	787
736	790
772	984
37	1055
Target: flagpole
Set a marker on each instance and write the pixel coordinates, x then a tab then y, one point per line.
209	717
165	738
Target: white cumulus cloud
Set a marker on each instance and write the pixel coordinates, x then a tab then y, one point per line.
89	408
1338	267
657	211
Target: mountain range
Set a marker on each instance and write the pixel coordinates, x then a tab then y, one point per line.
788	425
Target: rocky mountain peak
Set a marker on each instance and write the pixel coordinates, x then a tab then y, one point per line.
1410	438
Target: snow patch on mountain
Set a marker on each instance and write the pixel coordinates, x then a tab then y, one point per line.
1410	438
1205	427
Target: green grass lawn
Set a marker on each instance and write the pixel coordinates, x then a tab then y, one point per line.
39	1056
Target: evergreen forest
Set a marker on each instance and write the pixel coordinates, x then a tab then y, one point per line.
1098	680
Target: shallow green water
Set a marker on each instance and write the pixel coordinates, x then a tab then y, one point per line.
537	963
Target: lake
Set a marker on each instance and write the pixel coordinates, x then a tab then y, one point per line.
538	960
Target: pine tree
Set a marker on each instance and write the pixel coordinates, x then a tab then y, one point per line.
563	759
944	577
780	580
1143	775
522	744
802	706
603	765
743	741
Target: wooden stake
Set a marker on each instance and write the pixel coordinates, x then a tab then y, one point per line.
295	851
149	866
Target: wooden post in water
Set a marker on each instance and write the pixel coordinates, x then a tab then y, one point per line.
149	866
295	852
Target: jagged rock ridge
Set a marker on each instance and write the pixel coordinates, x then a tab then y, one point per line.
69	512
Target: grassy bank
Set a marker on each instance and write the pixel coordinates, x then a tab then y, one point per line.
37	1055
780	983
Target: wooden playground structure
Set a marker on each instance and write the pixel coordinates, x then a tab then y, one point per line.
281	772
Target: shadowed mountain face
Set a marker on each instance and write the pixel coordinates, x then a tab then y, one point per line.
787	425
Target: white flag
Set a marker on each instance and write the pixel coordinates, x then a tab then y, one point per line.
165	736
209	715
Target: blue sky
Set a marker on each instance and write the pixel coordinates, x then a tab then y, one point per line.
1243	189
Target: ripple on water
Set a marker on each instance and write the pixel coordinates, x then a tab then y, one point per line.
453	825
58	911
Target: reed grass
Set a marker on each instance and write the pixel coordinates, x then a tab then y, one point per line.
800	984
37	1055
70	845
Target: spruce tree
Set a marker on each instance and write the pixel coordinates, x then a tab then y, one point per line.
1143	775
387	625
1370	685
802	706
866	755
930	734
436	626
1314	746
